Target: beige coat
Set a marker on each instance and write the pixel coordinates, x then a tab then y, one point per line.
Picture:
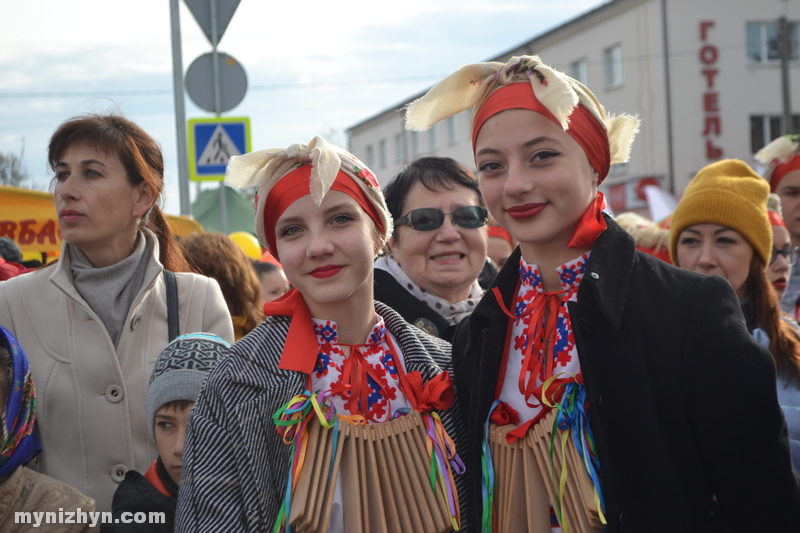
90	397
36	494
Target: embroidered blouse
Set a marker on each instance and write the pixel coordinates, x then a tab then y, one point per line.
565	355
384	395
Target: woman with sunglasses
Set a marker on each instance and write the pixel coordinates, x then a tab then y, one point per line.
651	373
438	248
320	213
722	226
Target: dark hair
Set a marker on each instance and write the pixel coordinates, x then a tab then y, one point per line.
218	256
178	405
435	174
141	156
264	267
784	338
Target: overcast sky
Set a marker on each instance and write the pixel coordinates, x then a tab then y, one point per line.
313	67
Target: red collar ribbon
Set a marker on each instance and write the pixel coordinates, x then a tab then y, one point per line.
300	349
591	224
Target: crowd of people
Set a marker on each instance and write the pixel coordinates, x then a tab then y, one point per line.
400	351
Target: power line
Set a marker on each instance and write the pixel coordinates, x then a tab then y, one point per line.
330	83
271	87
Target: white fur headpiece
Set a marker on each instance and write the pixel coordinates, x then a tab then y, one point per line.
779	151
471	85
265	168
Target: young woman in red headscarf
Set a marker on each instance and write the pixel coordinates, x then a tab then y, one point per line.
326	350
651	372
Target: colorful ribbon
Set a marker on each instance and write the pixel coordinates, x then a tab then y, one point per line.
573	420
290	421
487	477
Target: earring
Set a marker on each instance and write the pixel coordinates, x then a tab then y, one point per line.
136	216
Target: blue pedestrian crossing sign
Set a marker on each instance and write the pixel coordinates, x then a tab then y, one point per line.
212	141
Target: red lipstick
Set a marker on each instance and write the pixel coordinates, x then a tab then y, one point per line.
68	215
524	212
326	271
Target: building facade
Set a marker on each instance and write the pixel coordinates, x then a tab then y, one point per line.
704	76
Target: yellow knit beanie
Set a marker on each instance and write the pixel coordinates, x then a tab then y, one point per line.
731	194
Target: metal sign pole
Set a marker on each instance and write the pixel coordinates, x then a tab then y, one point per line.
180	109
223	201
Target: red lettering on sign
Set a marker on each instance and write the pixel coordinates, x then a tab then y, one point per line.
48	232
713	152
710	74
709	54
26	234
713	126
711	102
704	26
7	229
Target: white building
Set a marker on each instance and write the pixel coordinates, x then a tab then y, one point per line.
716	92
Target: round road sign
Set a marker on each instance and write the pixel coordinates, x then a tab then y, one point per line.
200	82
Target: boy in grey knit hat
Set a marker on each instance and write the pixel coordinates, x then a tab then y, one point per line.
175	383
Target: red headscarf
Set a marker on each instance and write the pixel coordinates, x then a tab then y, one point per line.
300	349
294	186
782	169
583	127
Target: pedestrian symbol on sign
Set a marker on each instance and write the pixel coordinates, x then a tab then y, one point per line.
212	142
219	150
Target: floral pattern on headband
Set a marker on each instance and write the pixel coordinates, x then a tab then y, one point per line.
521	70
365	175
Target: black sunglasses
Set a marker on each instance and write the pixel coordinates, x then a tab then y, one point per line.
430	218
790	253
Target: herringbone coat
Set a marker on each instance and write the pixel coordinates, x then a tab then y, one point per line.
235	465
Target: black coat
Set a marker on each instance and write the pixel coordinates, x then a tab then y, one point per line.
413	310
137	495
682	400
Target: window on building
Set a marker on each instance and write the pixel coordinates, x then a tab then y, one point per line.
369	156
400	147
384	157
618	170
764	43
452	129
613	66
765	128
433	137
416	149
580	70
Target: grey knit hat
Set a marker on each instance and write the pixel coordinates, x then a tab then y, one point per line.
180	370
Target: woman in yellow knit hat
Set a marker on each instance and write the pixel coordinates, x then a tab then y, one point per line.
644	367
722	226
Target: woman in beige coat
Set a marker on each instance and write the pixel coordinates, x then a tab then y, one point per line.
93	324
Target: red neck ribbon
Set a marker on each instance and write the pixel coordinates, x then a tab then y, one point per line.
294	186
300	349
583	127
591	224
783	169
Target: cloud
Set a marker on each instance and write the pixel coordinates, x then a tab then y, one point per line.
313	67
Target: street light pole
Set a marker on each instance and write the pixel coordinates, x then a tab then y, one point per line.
787	97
